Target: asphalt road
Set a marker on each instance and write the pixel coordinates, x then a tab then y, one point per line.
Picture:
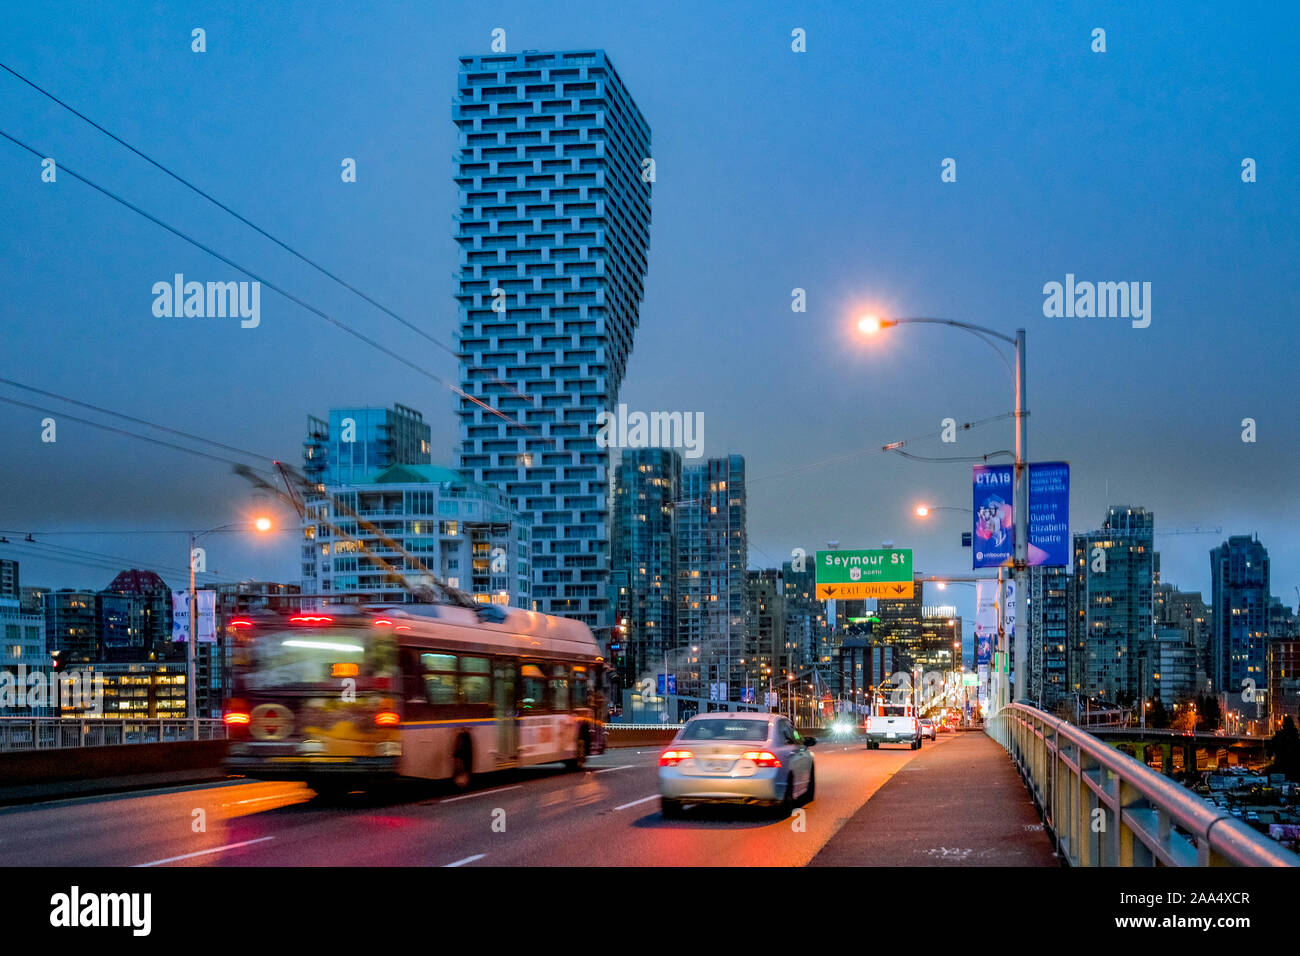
606	815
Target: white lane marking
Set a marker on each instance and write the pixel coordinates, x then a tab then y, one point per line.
612	769
215	849
274	796
635	802
468	859
485	793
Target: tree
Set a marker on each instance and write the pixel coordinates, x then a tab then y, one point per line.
1157	716
1284	748
1185	718
1208	708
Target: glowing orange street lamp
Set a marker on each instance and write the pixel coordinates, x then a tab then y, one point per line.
870	324
261	524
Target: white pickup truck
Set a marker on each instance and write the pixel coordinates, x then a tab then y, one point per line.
893	723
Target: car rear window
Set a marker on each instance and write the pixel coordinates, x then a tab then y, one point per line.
725	730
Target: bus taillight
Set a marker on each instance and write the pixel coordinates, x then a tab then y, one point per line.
387	718
237	713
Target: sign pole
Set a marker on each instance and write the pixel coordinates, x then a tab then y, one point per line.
1021	661
191	672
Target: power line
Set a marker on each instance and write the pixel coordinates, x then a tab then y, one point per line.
104	564
992	454
92	531
138	421
59	552
276	288
966	426
244	219
121	431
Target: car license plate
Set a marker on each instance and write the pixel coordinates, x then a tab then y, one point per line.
715	766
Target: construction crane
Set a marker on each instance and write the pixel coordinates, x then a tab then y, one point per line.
1191	531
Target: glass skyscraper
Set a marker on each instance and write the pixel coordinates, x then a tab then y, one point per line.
356	442
1239	577
554	228
646	486
1047	617
1112	612
712	575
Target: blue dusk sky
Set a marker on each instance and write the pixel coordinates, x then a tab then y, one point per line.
775	170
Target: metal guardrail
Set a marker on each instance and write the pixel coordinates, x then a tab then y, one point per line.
19	734
1104	808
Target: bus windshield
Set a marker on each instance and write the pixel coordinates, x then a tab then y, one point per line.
317	656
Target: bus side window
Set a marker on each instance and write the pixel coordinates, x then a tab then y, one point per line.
560	688
581	688
439	678
532	689
475	680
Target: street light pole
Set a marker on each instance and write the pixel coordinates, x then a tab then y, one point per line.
263	525
1021	660
191	667
870	325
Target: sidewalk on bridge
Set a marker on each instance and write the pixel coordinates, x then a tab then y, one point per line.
958	803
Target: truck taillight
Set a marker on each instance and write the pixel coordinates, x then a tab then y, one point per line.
762	758
671	758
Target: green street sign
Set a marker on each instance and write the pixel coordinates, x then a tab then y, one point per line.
857	574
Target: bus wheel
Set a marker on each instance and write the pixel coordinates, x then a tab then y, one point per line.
462	764
580	754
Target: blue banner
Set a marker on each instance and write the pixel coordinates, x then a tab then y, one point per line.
993	532
1049	514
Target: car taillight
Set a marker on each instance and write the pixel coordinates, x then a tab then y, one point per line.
671	758
762	757
387	718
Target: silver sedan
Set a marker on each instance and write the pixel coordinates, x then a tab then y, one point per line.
745	758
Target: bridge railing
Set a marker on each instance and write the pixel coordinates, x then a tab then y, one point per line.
47	733
1105	808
